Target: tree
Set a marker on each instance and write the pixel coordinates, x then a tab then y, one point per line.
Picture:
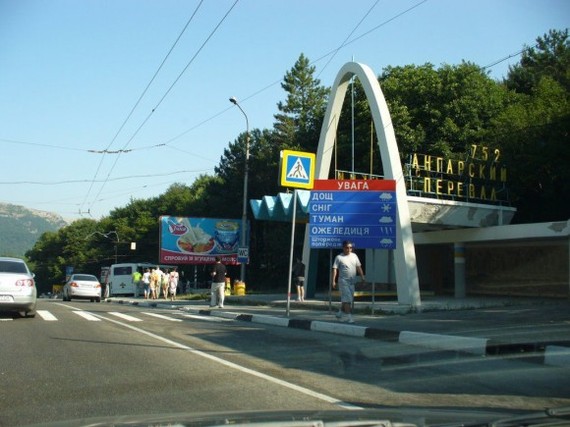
549	57
300	116
441	111
70	246
534	136
534	130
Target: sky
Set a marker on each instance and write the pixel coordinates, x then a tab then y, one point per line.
107	101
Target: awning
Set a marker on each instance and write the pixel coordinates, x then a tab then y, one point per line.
280	207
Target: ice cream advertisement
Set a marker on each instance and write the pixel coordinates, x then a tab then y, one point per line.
186	240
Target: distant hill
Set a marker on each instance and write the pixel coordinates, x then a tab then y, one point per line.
21	227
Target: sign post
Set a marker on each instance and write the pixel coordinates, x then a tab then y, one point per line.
297	171
362	211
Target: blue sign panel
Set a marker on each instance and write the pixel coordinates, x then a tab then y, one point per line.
365	217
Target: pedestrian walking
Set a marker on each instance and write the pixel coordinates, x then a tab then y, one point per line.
146	283
217	291
137	277
164	283
157	274
345	267
299	278
154	280
173	283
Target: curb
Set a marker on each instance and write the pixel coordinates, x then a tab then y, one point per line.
552	353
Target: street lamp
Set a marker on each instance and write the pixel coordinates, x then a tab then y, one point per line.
234	101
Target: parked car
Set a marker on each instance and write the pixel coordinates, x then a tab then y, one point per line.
82	286
18	291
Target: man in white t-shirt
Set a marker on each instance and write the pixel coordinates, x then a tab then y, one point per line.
345	267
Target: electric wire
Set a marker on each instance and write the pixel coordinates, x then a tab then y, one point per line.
512	55
168	142
140	98
276	82
165	95
122	178
347	38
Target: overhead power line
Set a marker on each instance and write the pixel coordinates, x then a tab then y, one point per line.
347	38
512	55
276	82
139	100
166	94
122	178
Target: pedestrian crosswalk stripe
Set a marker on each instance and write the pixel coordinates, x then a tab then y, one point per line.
206	317
160	316
125	316
46	315
87	316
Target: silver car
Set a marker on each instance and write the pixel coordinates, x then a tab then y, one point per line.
17	287
82	286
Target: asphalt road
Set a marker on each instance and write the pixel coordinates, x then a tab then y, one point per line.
81	359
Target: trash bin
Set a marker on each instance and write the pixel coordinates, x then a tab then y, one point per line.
239	288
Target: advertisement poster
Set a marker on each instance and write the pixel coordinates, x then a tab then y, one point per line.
186	240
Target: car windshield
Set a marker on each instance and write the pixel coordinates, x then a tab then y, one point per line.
85	277
13	267
284	212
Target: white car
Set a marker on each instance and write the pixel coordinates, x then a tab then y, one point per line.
82	286
17	287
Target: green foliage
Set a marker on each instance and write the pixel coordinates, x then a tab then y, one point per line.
534	130
441	111
549	58
69	246
299	119
533	134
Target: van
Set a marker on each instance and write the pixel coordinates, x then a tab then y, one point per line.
120	277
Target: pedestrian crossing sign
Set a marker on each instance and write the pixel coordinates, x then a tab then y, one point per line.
297	169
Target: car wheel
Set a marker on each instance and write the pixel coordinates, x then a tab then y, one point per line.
98	299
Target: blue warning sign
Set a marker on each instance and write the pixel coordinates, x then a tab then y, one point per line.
297	169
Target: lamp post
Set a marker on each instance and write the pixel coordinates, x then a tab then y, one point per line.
234	101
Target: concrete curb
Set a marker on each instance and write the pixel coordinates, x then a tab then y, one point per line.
553	354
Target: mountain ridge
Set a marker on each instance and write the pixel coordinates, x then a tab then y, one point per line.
21	227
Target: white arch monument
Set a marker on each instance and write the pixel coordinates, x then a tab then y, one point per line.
405	256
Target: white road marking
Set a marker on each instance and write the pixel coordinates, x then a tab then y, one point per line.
160	316
297	388
87	315
208	318
46	315
125	316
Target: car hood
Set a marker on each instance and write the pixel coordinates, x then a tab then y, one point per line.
388	417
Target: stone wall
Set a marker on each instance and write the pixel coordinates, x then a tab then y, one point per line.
522	269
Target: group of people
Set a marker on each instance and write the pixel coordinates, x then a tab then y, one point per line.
346	267
155	281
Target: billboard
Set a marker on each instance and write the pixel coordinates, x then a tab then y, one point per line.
186	240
